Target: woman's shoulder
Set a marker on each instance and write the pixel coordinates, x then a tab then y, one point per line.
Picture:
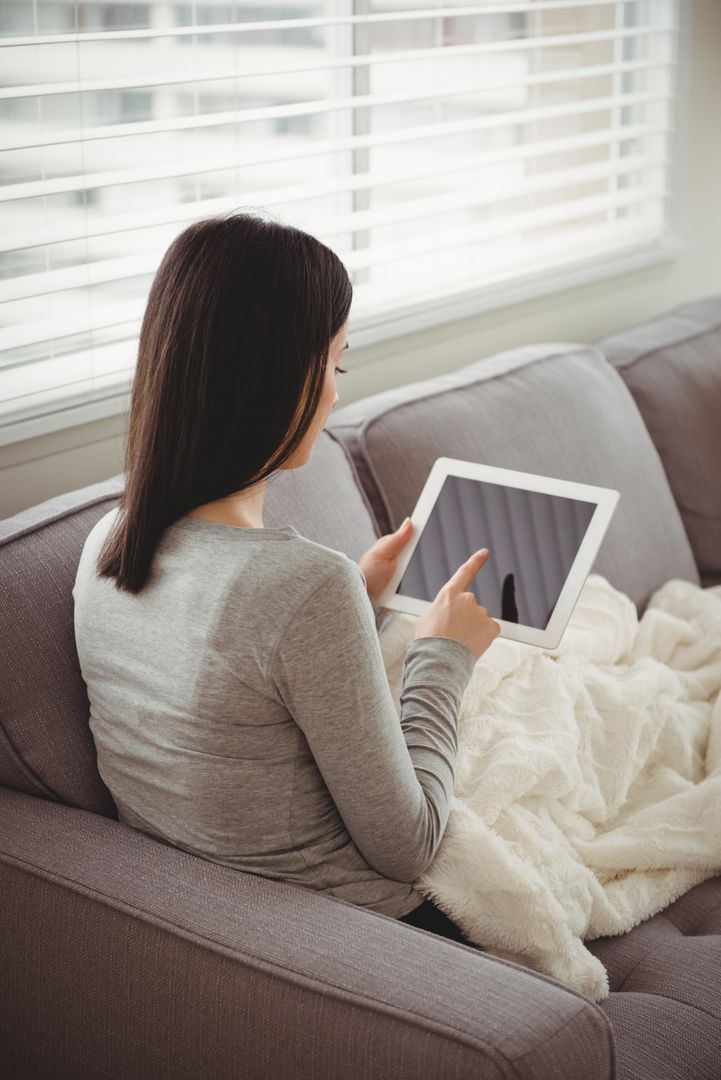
325	558
331	566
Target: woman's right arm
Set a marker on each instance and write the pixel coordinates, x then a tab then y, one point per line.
391	782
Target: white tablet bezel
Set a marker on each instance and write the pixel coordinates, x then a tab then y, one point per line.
606	500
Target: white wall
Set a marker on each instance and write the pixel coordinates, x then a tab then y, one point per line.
48	465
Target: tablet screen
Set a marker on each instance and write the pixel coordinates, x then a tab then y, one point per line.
533	539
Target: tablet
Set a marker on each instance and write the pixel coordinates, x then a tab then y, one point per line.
542	533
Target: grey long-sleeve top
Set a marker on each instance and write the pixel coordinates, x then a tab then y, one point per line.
241	711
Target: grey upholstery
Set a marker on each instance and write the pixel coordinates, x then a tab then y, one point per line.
137	960
123	957
672	366
558	409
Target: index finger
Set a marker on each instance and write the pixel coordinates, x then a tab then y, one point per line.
466	572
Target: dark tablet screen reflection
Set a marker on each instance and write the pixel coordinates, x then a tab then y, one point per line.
533	539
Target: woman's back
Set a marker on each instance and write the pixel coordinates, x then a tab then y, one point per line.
240	711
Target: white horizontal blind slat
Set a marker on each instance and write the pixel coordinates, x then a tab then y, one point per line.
297	192
361	257
542	137
120	269
273	24
364	257
35	189
209	76
118	358
306	108
34	400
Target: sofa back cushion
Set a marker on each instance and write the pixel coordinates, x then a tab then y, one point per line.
46	746
556	409
672	366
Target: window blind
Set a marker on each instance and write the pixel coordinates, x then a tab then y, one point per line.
439	151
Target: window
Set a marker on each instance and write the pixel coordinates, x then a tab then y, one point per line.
445	153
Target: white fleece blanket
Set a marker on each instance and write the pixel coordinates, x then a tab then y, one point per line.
588	783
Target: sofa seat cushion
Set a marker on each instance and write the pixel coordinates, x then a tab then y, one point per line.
665	976
557	409
672	366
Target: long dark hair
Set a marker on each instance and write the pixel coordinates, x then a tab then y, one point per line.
231	363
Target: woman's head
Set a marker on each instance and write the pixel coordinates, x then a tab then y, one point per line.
243	319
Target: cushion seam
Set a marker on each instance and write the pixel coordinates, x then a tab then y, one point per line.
712	911
608	1030
677	1001
660	348
646	955
25	769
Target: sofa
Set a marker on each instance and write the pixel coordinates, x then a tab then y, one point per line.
125	958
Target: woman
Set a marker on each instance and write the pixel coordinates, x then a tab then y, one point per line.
238	700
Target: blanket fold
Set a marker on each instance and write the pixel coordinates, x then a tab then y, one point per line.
587	792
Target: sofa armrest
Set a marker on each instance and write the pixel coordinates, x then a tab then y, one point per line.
122	956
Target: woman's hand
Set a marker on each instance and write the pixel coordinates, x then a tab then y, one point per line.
379	562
